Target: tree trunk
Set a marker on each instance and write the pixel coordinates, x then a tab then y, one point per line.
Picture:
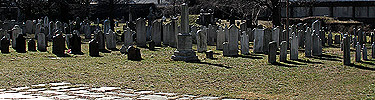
276	17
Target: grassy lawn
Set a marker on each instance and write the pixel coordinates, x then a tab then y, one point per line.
248	76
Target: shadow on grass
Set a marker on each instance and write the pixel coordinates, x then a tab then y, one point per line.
327	57
251	56
366	62
114	49
281	64
308	61
294	63
217	65
63	55
78	53
361	67
105	51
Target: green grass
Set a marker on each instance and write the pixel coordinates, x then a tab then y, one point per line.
248	77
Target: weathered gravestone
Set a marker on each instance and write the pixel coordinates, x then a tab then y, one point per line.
106	26
134	53
201	41
245	43
128	39
111	40
354	41
267	39
58	46
184	50
141	32
337	39
358	52
276	36
67	40
31	45
364	53
21	44
42	42
51	31
166	32
233	41
308	42
194	30
346	46
15	32
173	33
258	40
211	35
283	51
87	31
220	39
5	45
75	43
99	37
294	47
156	33
272	52
330	41
93	48
29	27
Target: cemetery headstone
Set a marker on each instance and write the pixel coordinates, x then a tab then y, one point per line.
330	41
128	39
258	40
75	42
346	50
93	48
283	51
42	42
267	38
233	40
111	40
58	46
294	47
272	52
220	39
31	45
337	39
184	50
201	41
308	42
245	43
210	54
358	52
134	53
156	33
275	36
173	33
5	45
21	44
373	50
106	26
99	37
15	32
141	32
364	53
151	45
166	32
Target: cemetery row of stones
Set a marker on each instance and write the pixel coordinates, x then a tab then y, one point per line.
226	38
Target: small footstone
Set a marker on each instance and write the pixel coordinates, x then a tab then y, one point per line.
210	54
31	45
134	53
